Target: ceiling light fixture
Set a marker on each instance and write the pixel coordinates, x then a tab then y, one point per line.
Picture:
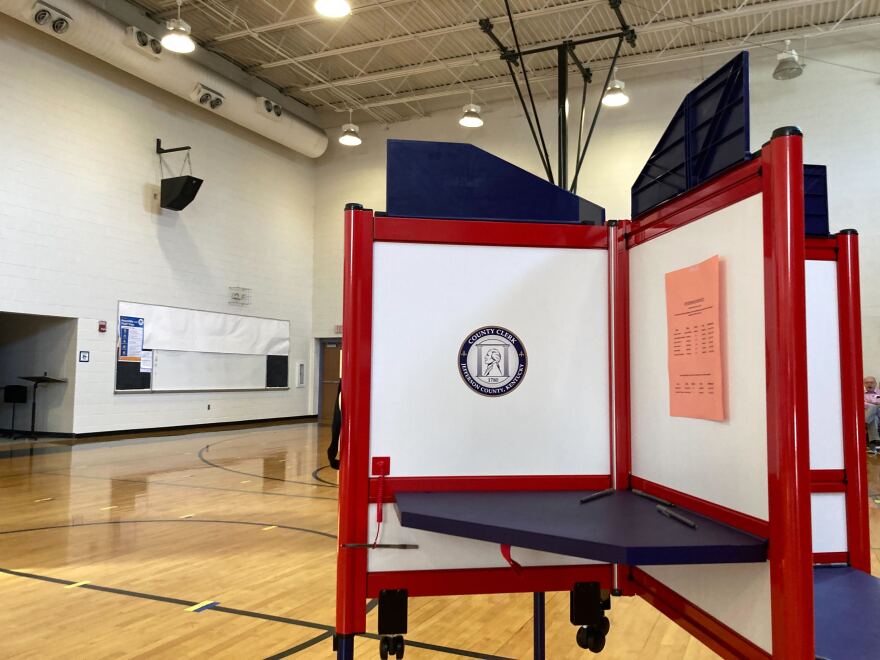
333	8
350	134
470	117
788	64
178	39
614	95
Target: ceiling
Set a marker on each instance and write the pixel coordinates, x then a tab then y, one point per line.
395	59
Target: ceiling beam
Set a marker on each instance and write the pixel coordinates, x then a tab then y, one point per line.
645	59
743	10
488	56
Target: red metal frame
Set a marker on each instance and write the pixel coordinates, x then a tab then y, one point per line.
709	630
507	234
357	318
354	583
852	394
618	336
469	581
788	458
487	484
830	557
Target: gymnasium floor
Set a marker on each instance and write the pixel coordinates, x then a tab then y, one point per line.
105	547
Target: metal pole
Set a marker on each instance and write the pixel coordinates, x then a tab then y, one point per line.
539	626
562	118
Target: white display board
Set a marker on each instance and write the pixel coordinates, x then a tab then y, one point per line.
181	370
828	511
179	329
720	462
428	299
823	366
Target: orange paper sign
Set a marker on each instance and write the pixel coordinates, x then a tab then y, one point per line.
693	319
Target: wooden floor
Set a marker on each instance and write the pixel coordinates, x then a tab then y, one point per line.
105	546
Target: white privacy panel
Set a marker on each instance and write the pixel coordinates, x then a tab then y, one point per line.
823	366
829	522
428	299
738	595
178	329
178	370
442	551
722	462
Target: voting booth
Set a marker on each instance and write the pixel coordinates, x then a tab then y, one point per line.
665	407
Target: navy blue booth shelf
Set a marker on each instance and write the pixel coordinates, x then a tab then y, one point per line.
455	181
622	528
708	133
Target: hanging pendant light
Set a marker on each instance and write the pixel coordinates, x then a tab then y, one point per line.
470	117
350	134
788	64
614	95
333	8
178	39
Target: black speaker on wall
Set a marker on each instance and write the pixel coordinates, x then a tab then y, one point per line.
179	191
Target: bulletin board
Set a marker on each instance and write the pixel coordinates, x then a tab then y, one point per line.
173	349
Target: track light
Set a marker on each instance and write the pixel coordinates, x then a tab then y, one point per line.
350	134
788	65
470	117
614	95
178	39
333	8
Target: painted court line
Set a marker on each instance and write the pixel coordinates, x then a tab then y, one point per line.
77	584
204	605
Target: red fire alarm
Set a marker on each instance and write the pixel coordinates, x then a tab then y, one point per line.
102	326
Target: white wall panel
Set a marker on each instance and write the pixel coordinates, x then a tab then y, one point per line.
427	299
823	366
722	462
829	522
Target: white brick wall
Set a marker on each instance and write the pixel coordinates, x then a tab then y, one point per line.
837	108
79	230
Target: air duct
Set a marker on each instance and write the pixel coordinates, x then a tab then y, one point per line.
92	31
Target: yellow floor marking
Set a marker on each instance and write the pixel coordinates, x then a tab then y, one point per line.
266	529
45	499
198	605
77	584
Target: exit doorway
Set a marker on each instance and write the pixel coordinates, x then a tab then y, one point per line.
329	374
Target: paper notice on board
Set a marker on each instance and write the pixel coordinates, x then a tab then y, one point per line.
693	317
146	362
131	338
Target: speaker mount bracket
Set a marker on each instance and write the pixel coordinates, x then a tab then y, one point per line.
160	150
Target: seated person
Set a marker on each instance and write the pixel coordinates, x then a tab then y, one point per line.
872	409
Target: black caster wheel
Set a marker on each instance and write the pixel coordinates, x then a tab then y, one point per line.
591	638
399	645
385	647
604	626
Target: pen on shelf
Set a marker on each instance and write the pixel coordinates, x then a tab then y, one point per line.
596	496
674	515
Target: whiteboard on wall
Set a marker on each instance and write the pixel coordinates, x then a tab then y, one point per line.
183	370
179	329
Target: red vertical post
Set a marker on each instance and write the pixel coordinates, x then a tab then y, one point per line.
357	322
618	337
851	389
790	548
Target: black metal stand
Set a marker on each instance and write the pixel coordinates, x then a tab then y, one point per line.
564	51
539	626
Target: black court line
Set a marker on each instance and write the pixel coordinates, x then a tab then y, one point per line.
174	484
328	630
204	460
317	476
172	520
302	647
